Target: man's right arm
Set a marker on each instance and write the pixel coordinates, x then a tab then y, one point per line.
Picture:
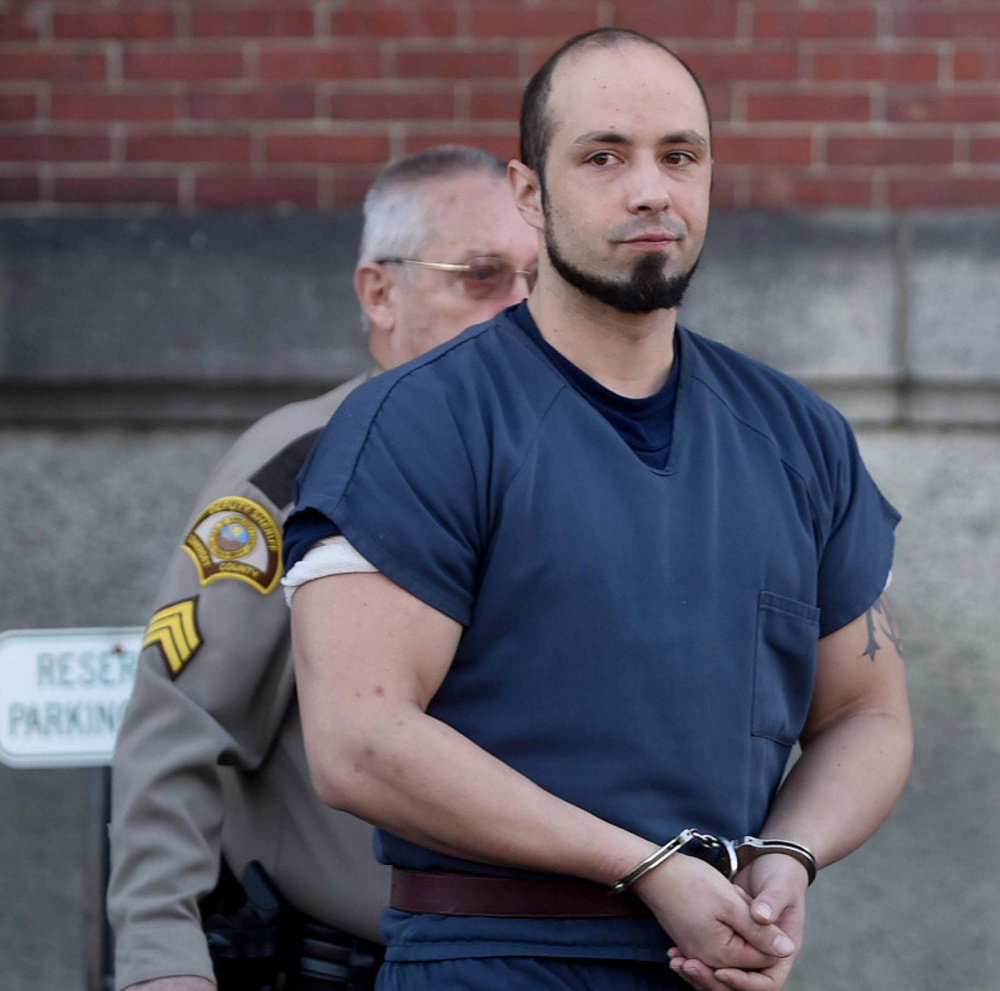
365	680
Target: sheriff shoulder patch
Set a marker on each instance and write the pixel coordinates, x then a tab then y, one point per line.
236	538
174	629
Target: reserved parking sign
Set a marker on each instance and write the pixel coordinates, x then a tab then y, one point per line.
63	694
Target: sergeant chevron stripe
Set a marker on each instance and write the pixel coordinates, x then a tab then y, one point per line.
174	629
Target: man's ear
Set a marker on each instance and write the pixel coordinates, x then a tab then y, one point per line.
527	190
374	287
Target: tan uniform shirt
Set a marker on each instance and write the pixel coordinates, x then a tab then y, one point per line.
210	758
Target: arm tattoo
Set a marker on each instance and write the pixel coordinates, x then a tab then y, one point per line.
880	619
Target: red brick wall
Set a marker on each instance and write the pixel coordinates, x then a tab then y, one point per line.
255	103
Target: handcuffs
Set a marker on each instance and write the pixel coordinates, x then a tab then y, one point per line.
728	856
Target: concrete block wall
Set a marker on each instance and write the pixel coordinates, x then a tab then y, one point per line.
133	349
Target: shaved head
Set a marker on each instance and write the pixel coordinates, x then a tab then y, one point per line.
536	121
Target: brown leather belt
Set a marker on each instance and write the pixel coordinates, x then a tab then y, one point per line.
507	897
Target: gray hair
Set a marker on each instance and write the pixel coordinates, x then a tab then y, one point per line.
396	220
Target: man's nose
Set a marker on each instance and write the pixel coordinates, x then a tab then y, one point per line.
649	189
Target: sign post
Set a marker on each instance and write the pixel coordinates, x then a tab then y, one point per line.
63	694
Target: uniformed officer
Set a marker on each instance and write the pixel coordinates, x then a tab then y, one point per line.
209	761
621	570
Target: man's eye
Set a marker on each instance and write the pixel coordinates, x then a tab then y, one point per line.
484	273
601	158
680	158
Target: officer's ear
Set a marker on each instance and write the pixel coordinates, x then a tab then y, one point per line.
374	285
527	190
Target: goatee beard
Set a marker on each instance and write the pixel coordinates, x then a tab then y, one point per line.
646	289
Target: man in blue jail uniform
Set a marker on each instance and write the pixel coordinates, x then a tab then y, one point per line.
568	589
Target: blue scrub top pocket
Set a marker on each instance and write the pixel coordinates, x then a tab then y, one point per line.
784	666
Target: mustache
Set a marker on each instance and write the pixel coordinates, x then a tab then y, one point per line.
640	227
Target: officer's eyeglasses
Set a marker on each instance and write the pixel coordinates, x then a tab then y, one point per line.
481	278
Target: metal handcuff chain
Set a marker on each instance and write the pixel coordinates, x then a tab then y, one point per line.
736	854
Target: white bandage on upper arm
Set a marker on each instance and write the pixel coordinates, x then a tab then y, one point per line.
330	556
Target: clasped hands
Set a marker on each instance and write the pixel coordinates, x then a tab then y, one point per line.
742	935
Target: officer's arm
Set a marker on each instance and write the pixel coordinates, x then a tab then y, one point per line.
369	658
212	695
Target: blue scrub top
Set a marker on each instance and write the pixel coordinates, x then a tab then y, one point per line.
639	640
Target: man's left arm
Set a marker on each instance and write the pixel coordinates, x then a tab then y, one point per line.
856	749
856	744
